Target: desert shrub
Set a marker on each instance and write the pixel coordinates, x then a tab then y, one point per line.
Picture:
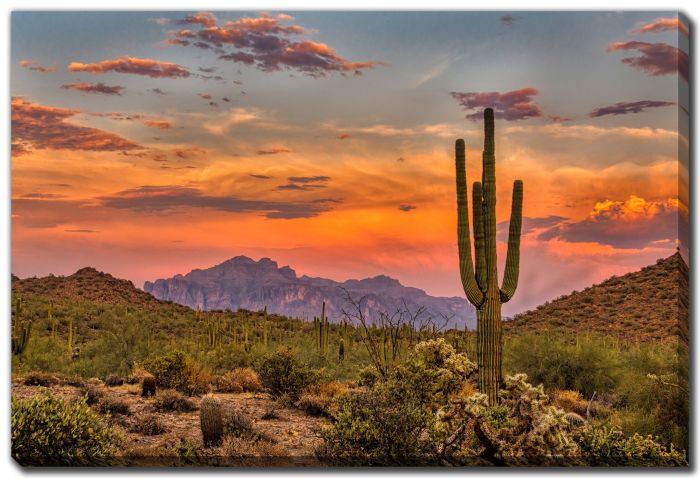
393	422
239	380
281	373
172	401
609	447
196	379
236	423
245	451
40	379
368	376
319	399
48	431
590	365
137	374
93	394
176	370
114	380
149	425
113	406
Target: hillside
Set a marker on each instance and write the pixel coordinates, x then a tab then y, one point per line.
85	284
650	304
241	282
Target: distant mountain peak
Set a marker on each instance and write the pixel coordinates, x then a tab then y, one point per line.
242	282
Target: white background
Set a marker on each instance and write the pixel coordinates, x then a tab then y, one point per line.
7	466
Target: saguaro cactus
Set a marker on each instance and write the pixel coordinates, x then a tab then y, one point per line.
480	280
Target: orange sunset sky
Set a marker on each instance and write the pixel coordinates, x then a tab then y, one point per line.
146	144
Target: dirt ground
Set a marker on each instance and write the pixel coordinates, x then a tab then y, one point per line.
294	434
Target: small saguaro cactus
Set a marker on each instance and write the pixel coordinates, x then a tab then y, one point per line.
321	326
211	420
341	350
480	279
148	386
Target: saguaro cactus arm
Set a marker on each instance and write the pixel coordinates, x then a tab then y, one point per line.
479	251
466	268
510	276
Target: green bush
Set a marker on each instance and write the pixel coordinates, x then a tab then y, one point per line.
609	447
49	431
177	371
282	374
168	369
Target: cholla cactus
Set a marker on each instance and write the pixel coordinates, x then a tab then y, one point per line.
521	429
211	418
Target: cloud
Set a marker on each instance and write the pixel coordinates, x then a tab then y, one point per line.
38	126
260	176
304	183
587	131
265	43
170	199
344	136
97	88
274	151
656	59
81	231
232	117
631	224
157	91
529	225
42	196
117	115
406	207
35	66
510	106
185	153
309	179
204	96
663	25
508	20
134	66
206	19
624	108
159	124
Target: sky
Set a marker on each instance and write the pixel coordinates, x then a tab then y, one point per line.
147	144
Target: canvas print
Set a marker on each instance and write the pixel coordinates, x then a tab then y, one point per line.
328	239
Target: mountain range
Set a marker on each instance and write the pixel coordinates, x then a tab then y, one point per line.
242	282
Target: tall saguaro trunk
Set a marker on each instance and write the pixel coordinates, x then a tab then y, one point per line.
480	279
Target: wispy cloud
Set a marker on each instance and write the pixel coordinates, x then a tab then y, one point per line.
273	151
170	199
656	59
662	25
35	66
134	66
95	88
623	108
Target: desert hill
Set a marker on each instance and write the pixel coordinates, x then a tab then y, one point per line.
86	284
650	304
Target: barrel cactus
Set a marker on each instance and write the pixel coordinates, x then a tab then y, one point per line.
148	386
480	279
211	420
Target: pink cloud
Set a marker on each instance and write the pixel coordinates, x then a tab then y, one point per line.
265	43
35	66
663	25
655	58
510	106
159	124
134	66
36	126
